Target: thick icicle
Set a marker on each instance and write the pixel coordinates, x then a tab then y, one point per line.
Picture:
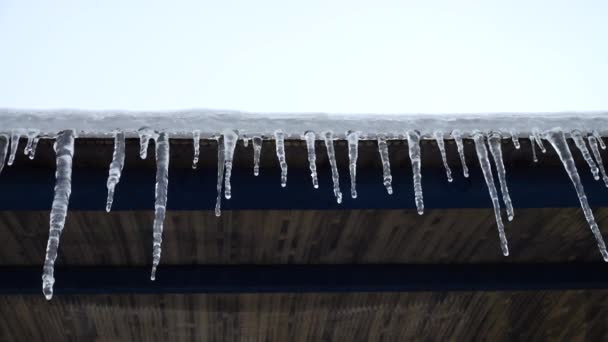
494	141
460	146
220	175
118	161
558	140
484	162
196	144
533	147
579	141
515	139
245	141
280	147
145	134
15	136
160	204
353	153
257	151
387	177
230	140
598	157
331	155
64	151
34	146
4	142
312	157
413	142
597	136
441	145
31	136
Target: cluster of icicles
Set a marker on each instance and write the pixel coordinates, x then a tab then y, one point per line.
64	149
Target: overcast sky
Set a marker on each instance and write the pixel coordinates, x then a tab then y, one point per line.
314	55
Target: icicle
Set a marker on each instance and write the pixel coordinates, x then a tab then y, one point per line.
387	178
4	142
64	151
441	145
484	162
558	140
331	155
145	134
312	157
280	147
597	136
580	144
353	152
515	139
34	146
598	157
118	161
460	146
14	145
160	206
31	135
494	141
196	144
539	141
413	142
257	151
220	175
534	157
230	140
245	141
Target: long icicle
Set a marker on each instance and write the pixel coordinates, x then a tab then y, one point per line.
515	139
220	175
353	153
118	162
413	142
145	134
438	135
64	152
257	152
598	157
558	140
534	156
230	140
582	147
196	144
331	155
599	138
460	146
4	142
280	148
484	162
387	177
15	136
160	204
312	157
539	141
494	142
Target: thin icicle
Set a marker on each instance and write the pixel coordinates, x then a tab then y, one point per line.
515	139
196	144
64	151
245	141
34	146
533	147
220	175
145	134
4	142
539	141
558	140
331	155
230	140
494	141
599	138
118	161
353	153
160	206
280	147
460	146
441	145
15	136
312	157
387	178
598	157
31	135
413	142
484	162
257	152
579	141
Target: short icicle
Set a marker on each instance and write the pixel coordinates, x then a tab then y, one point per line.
460	146
220	175
15	136
328	137
196	144
34	146
118	162
494	142
579	141
558	140
145	134
280	148
245	141
312	157
64	152
230	140
438	135
599	138
515	139
257	152
413	142
484	162
353	153
31	136
387	177
533	147
598	157
160	203
539	141
4	142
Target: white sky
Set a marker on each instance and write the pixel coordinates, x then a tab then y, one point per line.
314	55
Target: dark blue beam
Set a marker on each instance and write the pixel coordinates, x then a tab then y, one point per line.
310	278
